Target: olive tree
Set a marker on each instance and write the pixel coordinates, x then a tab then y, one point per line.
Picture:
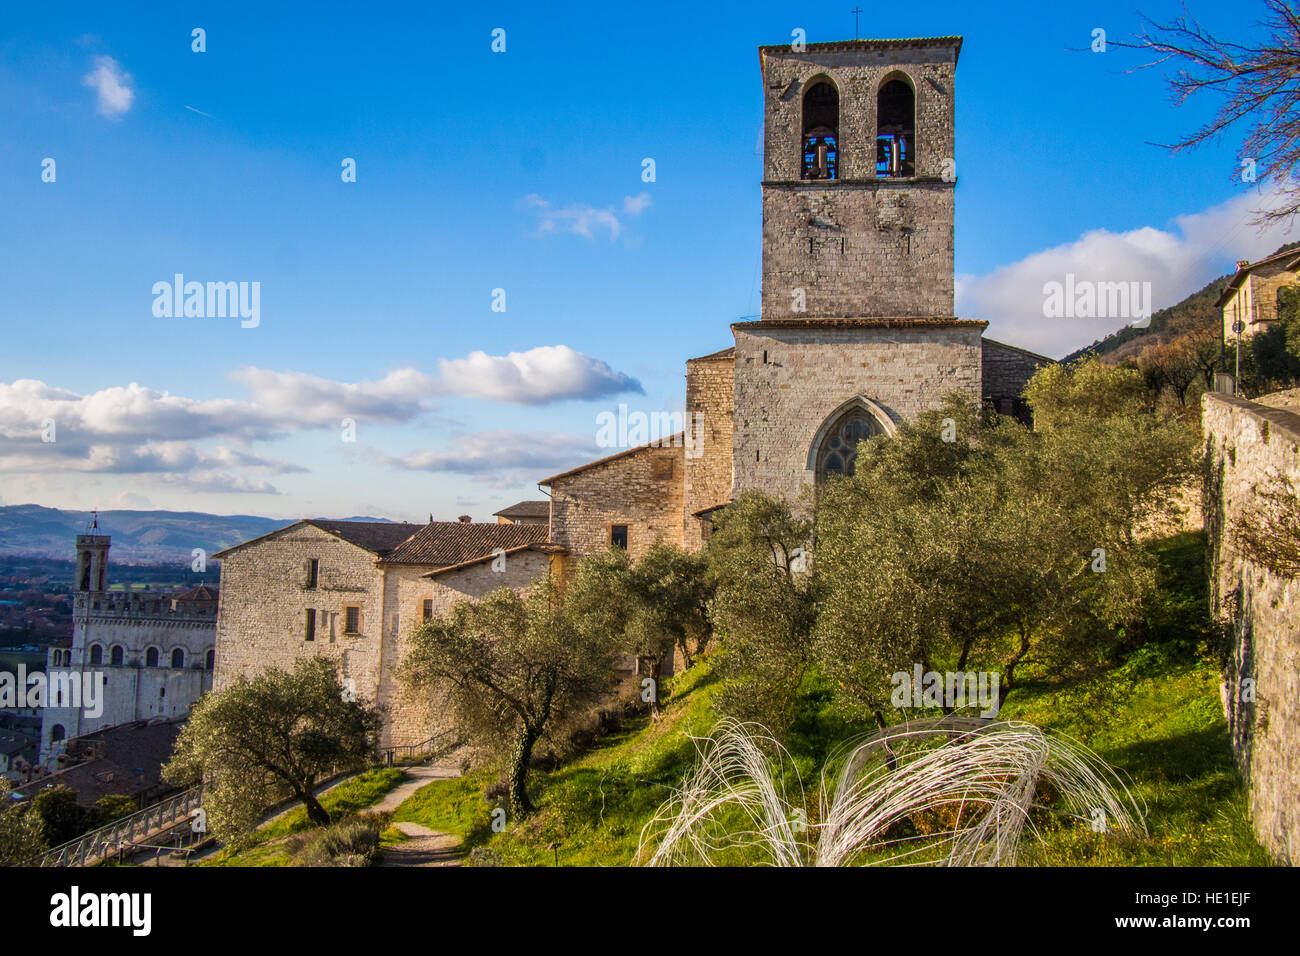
282	731
509	666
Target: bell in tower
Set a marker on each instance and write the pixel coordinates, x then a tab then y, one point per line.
821	131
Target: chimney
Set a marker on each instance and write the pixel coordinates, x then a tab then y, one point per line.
464	519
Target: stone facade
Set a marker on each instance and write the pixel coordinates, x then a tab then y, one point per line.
710	393
270	591
132	639
792	378
265	597
1251	294
1005	370
1250	446
640	489
410	718
876	344
859	245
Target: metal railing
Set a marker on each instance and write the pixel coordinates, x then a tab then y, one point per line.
94	846
433	746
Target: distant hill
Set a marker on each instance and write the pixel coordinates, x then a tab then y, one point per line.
1197	310
139	537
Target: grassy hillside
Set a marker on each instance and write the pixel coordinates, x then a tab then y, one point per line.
1154	715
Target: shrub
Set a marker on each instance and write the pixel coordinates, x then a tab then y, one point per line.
353	841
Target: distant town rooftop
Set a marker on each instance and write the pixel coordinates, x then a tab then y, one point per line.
525	509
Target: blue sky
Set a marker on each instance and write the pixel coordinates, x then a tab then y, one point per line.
479	171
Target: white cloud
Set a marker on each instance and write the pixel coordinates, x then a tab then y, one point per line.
111	85
504	458
1177	261
545	374
307	400
582	219
204	444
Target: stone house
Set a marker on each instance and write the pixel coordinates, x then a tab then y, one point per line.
353	592
1249	301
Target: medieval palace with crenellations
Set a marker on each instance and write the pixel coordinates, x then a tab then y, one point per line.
857	334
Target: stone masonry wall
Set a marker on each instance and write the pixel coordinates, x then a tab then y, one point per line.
134	622
858	245
410	718
264	600
784	397
642	490
710	390
1006	370
1248	447
880	249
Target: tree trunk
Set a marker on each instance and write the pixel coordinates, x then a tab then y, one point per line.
315	812
523	752
1009	670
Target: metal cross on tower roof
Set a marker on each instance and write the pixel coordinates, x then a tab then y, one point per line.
855	11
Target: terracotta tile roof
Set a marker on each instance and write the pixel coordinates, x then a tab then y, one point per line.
201	592
129	759
526	509
1289	257
380	537
446	543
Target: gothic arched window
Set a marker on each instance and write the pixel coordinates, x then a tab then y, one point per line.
896	130
96	654
178	658
838	454
151	657
210	661
821	131
117	655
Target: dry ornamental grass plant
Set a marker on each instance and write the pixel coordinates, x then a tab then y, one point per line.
948	792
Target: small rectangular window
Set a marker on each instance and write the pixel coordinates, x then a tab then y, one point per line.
311	624
428	608
352	619
618	536
313	572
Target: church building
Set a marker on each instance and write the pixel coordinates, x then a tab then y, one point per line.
857	334
857	331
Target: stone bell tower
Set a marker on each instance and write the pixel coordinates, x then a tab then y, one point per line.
859	169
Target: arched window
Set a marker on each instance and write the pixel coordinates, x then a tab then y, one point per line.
57	733
117	655
151	657
838	453
896	129
96	654
821	131
210	661
178	658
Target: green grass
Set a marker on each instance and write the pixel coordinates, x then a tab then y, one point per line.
593	806
266	846
1154	714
